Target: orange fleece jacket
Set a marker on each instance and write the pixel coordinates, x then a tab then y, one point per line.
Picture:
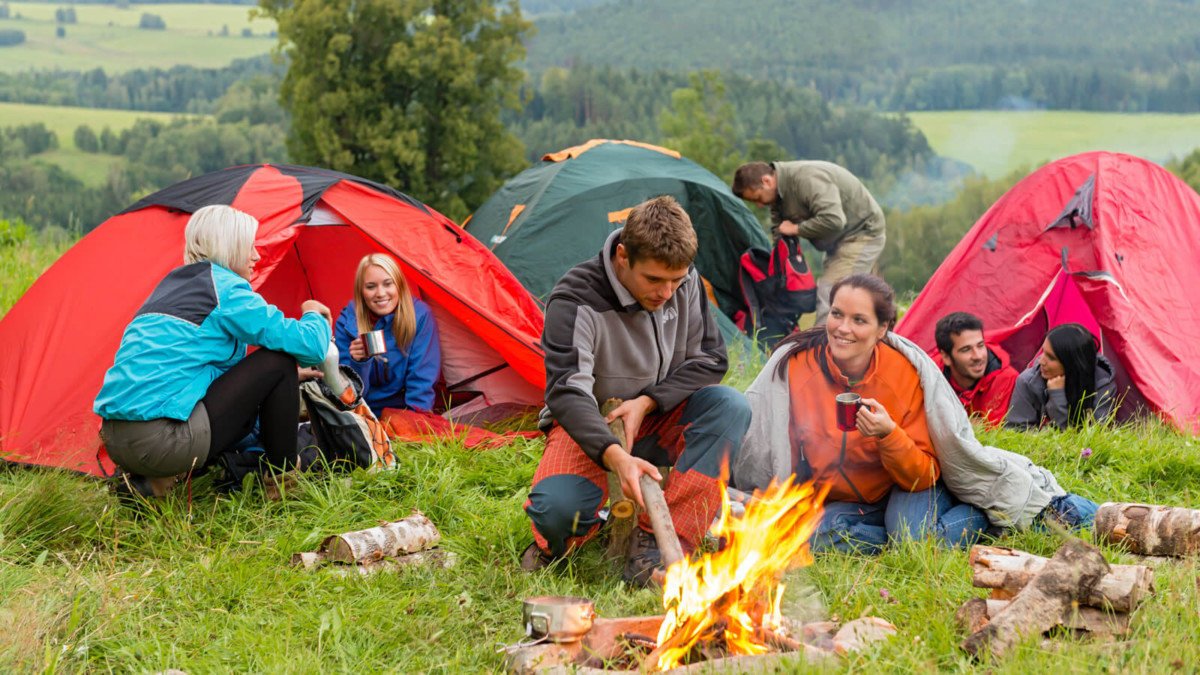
905	457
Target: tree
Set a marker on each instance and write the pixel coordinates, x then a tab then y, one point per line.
86	139
405	92
700	124
152	22
11	37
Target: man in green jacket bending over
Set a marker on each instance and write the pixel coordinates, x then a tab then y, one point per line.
825	204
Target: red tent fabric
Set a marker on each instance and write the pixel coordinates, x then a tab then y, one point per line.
1104	239
315	225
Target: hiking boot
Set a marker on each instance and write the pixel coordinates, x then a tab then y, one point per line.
130	488
534	559
277	485
643	566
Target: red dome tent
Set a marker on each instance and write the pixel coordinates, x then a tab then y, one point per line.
1104	239
315	225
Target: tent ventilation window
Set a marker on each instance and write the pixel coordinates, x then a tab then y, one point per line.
1078	211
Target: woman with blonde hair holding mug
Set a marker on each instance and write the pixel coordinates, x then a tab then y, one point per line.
401	359
181	389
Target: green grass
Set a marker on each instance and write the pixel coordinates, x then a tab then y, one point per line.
998	142
108	37
21	264
87	585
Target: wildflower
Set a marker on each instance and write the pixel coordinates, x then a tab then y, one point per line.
1085	453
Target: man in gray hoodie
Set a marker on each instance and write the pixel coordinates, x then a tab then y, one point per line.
633	323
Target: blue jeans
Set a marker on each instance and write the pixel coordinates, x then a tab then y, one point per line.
868	528
1071	510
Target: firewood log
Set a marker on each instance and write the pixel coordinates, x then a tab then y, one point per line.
407	535
1009	570
977	612
1095	621
652	499
623	512
1150	530
1068	577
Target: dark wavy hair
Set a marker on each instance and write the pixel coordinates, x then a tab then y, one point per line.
817	340
1075	348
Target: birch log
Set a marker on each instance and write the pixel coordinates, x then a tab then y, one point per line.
622	511
977	612
1067	578
1150	530
407	535
652	498
1009	570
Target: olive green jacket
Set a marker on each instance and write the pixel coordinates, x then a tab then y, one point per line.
826	201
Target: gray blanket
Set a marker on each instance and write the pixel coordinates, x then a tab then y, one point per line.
1008	487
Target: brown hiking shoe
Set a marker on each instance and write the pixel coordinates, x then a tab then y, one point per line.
276	485
533	559
643	567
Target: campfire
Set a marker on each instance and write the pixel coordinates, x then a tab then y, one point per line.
723	608
728	601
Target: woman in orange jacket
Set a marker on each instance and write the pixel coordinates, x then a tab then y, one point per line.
880	462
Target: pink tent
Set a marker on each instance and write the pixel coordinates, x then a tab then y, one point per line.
1103	239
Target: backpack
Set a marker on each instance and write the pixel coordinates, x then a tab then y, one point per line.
348	435
777	287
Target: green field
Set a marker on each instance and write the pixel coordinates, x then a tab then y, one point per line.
91	168
997	142
108	37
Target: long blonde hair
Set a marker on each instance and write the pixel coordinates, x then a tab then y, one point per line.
404	321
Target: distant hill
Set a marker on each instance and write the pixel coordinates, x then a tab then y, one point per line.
536	8
908	54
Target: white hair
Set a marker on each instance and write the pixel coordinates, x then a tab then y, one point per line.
220	234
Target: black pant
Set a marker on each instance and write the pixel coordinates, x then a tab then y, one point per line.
262	387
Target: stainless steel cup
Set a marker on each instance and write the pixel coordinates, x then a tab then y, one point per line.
374	343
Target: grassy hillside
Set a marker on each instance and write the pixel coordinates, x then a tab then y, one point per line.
204	584
108	37
997	142
91	168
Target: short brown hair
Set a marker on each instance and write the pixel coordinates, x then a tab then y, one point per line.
749	176
659	229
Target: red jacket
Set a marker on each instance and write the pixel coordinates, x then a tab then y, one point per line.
990	396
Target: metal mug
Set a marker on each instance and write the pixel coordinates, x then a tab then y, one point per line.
558	618
374	343
847	410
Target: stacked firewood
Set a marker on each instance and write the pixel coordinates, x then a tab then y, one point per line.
1076	589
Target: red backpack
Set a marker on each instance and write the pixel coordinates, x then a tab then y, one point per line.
777	287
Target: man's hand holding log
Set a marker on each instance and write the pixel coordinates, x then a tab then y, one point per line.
617	459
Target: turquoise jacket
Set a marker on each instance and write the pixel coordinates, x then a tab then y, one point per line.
195	326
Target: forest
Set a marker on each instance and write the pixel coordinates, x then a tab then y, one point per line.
905	54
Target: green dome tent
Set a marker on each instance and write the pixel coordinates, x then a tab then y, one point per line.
558	213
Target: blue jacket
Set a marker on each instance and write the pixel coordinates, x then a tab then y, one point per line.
398	379
195	326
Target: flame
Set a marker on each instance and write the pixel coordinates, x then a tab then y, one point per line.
736	591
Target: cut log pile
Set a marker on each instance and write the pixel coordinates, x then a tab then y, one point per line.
1148	529
1076	589
390	545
